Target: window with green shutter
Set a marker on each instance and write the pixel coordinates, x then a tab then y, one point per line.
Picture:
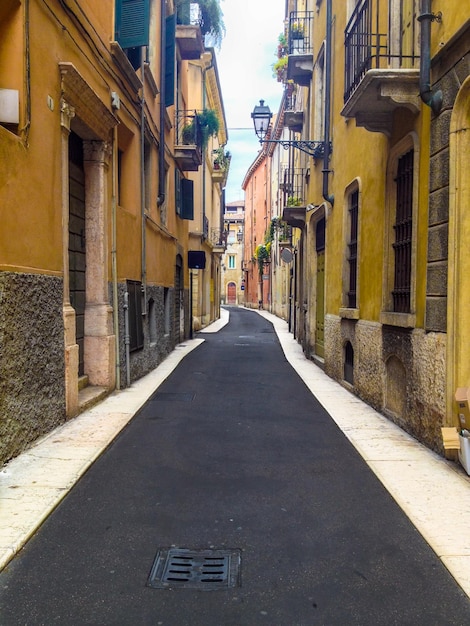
170	60
187	199
132	23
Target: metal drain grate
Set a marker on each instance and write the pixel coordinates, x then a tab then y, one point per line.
205	570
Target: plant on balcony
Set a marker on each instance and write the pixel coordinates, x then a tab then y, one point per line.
210	18
297	30
280	66
221	159
294	201
208	124
262	255
282	46
277	225
280	69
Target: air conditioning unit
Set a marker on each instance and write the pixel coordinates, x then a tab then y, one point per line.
9	106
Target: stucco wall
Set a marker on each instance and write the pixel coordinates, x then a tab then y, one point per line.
32	383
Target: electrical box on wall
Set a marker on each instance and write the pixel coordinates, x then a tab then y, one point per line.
9	106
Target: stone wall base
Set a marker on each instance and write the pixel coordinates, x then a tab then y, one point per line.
399	372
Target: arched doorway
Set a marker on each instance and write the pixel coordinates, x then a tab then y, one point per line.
231	293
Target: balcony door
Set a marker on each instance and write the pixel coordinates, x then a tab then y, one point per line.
408	31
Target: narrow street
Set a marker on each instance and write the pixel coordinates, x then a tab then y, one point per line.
232	453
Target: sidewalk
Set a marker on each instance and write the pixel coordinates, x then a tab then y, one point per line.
433	492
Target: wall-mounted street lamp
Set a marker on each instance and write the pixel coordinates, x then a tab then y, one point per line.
261	117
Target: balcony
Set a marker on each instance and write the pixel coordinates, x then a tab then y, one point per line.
381	69
221	166
188	151
300	47
218	240
292	187
189	38
293	115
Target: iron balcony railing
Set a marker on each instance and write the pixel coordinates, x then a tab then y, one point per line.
300	32
189	14
218	237
292	186
188	128
366	48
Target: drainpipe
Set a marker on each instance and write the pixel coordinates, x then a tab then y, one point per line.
161	146
127	339
433	100
326	157
114	258
142	190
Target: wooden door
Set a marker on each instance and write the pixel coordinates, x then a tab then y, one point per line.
231	293
77	243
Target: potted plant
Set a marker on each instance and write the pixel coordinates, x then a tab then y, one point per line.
210	18
280	69
188	134
294	201
297	30
221	159
204	124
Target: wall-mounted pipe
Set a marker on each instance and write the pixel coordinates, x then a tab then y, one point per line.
433	100
327	149
114	255
142	189
161	145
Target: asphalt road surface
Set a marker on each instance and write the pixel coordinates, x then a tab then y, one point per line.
233	460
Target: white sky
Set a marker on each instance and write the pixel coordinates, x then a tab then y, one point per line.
244	62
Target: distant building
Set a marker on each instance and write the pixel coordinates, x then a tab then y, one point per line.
233	277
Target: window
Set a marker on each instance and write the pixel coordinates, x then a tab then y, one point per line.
167	311
401	215
231	261
11	63
170	43
184	190
403	233
136	332
132	23
352	248
319	100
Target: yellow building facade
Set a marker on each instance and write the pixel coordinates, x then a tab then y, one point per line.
95	203
379	285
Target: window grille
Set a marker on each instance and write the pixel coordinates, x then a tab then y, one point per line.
136	331
352	260
403	231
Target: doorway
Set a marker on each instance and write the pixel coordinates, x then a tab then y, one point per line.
77	242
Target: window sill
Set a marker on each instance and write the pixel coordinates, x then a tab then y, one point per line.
404	320
349	314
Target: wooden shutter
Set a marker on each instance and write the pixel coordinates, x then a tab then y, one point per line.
187	199
132	23
170	60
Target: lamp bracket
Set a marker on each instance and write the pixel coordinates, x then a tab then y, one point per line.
316	149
